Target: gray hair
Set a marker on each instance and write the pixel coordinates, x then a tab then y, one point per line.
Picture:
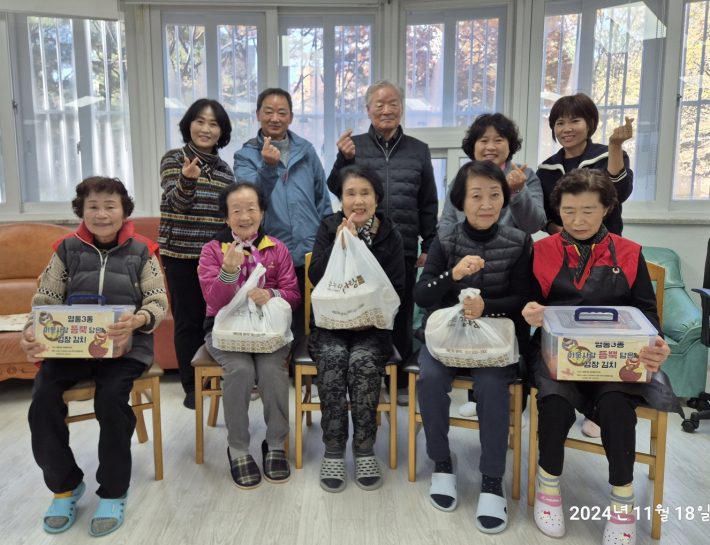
381	84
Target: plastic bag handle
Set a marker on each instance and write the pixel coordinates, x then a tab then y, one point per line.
598	310
100	298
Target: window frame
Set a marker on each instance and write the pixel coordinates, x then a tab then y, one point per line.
662	209
450	137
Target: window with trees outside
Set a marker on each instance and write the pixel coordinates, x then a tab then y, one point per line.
212	55
70	84
455	63
326	65
692	168
613	54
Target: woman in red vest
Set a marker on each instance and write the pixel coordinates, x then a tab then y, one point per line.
585	265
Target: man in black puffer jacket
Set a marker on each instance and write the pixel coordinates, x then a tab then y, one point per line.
411	198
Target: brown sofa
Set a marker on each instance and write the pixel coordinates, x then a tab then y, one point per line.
164	335
25	249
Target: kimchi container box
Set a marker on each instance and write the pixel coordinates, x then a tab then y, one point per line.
78	331
598	344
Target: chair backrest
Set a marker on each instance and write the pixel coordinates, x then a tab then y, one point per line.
658	275
307	295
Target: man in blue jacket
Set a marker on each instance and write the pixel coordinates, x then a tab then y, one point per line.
287	168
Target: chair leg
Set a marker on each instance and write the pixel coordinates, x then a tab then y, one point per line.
412	435
216	385
298	382
214	409
532	447
378	417
140	420
652	448
660	473
309	382
393	418
157	431
517	438
199	431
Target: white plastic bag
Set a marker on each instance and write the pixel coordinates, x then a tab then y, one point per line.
354	290
244	326
456	341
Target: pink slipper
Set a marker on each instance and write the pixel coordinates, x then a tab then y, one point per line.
620	528
549	516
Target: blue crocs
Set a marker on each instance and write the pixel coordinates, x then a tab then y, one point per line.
61	509
108	516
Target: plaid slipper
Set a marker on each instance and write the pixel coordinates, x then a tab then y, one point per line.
245	472
276	468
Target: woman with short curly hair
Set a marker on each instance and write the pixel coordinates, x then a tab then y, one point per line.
494	137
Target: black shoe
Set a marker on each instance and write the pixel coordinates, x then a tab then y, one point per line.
275	464
245	473
190	400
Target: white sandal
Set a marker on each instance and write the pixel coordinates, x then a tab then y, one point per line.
444	484
333	468
366	467
492	505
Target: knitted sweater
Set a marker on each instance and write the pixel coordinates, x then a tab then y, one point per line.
188	208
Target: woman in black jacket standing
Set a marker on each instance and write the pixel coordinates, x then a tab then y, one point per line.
352	361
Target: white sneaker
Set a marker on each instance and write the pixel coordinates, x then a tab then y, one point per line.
590	429
468	409
403	397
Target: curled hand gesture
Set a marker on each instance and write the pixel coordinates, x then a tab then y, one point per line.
533	314
623	133
473	307
192	169
121	331
270	154
259	296
233	258
517	178
346	145
470	264
349	224
654	356
30	346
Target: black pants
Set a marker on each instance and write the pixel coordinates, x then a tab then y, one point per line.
402	334
299	318
50	433
189	310
615	414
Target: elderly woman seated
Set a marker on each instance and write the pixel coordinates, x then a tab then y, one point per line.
585	265
477	253
352	361
104	256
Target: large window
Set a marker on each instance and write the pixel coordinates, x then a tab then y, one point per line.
613	53
70	85
212	55
455	63
326	66
692	169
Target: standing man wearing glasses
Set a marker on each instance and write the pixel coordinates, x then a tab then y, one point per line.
410	200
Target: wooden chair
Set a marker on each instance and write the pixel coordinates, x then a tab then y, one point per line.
304	366
148	386
465	382
655	458
208	375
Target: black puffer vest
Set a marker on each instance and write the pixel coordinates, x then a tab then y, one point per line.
116	276
500	255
